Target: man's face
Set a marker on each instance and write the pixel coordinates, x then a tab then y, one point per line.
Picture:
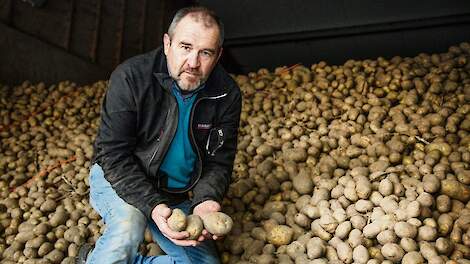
192	52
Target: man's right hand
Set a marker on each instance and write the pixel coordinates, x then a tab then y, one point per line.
160	215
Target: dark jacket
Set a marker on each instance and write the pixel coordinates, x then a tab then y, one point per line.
139	118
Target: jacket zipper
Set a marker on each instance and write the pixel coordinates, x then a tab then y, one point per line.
193	140
158	145
220	135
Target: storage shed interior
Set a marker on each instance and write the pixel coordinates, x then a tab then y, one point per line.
353	141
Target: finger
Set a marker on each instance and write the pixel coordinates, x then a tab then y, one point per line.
165	212
206	234
184	243
201	238
216	237
163	226
177	241
174	235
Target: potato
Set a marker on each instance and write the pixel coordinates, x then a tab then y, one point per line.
258	233
263	259
24	236
350	192
427	250
427	233
254	248
48	206
283	258
319	194
316	248
344	251
386	236
331	254
358	222
413	209
36	242
59	218
436	260
355	238
425	199
295	154
217	223
303	183
194	226
280	235
431	183
405	230
444	246
177	220
343	229
363	206
392	252
443	203
413	258
328	223
340	215
385	187
363	189
302	220
360	254
408	244
445	223
389	204
455	190
295	249
372	229
319	261
311	211
318	230
45	248
55	256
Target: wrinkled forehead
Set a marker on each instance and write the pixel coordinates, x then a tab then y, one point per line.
196	21
197	31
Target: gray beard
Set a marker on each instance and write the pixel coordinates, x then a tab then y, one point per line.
191	88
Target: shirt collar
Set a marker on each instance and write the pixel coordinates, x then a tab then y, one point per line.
187	95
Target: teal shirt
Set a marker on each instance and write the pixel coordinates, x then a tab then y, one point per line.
179	161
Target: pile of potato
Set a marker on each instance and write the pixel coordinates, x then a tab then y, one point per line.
366	162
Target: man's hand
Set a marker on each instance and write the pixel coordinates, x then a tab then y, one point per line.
160	215
203	208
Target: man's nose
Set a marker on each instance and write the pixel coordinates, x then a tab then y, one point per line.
193	60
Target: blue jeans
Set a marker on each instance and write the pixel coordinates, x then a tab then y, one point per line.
125	227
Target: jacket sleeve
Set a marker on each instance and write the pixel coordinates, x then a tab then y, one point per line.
217	170
117	141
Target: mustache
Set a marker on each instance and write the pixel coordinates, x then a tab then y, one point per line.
190	71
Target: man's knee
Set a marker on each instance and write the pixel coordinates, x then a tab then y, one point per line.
126	225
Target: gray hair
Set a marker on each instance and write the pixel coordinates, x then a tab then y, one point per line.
200	14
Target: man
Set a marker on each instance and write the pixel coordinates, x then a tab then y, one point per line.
167	140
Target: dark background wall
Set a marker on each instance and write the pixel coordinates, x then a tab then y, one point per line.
78	40
279	32
83	40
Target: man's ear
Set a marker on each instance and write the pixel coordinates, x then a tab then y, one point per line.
166	43
220	53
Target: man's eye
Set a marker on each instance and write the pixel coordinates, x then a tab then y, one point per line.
206	54
186	48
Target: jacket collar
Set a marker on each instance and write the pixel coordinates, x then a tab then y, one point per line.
214	86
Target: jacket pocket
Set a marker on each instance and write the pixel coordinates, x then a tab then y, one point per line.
215	140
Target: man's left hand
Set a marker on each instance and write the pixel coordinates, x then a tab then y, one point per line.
203	208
